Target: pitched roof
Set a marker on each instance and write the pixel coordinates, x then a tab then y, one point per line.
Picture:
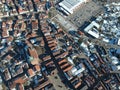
35	24
10	38
37	67
31	72
20	86
5	34
33	53
19	80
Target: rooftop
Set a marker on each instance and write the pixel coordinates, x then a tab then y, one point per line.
69	5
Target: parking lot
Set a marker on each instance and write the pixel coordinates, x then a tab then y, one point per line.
84	13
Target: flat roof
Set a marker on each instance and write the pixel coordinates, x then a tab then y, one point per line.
70	4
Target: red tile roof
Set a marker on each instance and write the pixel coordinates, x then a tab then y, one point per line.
67	68
77	85
10	38
31	72
35	24
3	24
52	48
52	44
49	63
69	48
42	85
20	81
56	53
62	55
61	61
5	34
20	10
37	67
47	58
64	65
42	43
8	57
21	87
52	41
33	53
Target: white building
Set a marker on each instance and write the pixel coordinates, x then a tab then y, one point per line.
91	30
118	42
78	69
69	6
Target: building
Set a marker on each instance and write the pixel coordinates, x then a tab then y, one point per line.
78	69
92	29
118	43
69	6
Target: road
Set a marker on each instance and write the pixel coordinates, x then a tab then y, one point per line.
68	27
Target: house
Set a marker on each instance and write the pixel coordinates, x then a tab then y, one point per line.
118	43
62	55
58	35
68	68
52	44
20	87
42	43
16	70
30	5
89	80
56	52
8	57
50	62
31	73
77	85
33	53
17	83
1	79
49	38
68	75
42	85
74	55
5	33
35	25
23	26
7	74
52	41
10	39
20	80
39	6
52	48
62	61
37	68
46	58
5	14
33	59
76	82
